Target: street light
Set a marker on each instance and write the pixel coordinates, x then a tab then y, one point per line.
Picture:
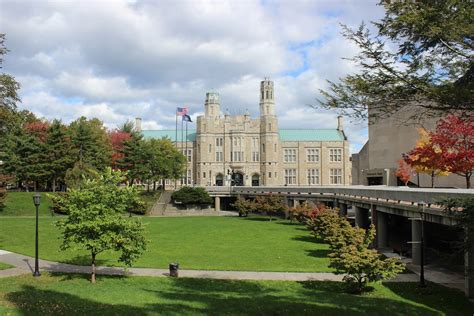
36	201
422	246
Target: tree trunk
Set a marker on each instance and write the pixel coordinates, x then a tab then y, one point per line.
468	181
154	185
93	268
54	184
432	179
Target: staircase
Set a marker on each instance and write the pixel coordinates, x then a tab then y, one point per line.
160	206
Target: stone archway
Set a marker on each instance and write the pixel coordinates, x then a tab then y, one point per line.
256	180
219	180
238	178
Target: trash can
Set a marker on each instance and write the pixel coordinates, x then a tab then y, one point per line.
174	267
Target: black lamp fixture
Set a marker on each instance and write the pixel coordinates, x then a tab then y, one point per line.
36	201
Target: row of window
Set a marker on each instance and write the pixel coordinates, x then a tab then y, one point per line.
312	155
312	175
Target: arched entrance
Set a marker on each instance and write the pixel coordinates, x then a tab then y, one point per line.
237	179
219	180
255	180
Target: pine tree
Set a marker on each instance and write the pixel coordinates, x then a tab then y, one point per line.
58	152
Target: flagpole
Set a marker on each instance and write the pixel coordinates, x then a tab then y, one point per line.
182	145
176	131
186	151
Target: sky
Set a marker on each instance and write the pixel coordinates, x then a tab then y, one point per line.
121	59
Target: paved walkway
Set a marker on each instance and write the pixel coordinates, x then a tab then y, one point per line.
25	264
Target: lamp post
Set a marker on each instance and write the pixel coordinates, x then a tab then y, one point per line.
422	246
36	201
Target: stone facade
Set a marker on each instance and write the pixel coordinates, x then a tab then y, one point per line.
241	150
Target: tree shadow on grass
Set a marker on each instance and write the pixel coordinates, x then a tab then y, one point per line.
307	238
318	253
450	301
204	296
258	219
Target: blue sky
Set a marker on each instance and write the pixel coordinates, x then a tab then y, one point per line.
117	59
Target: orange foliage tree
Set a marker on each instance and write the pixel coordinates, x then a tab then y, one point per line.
404	171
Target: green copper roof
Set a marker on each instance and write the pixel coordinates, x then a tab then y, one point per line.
171	134
302	135
286	135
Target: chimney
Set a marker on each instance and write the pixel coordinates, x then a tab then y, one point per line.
339	123
138	124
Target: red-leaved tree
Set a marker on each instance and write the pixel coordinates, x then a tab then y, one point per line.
403	172
117	139
455	137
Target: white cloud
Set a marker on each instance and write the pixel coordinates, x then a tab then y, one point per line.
120	59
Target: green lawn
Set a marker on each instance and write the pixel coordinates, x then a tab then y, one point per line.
74	295
220	243
4	266
21	204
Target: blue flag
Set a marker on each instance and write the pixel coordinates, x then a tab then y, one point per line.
187	118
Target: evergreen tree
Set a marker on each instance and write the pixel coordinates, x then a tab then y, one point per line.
90	142
58	152
135	158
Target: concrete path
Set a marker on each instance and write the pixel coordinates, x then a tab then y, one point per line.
25	264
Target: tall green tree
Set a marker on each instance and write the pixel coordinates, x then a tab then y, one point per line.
95	220
421	54
91	143
58	152
136	156
8	93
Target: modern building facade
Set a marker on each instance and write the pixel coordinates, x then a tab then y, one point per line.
240	150
390	137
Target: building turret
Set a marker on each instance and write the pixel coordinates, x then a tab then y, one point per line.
212	105
267	100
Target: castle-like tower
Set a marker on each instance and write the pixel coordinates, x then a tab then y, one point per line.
270	149
227	149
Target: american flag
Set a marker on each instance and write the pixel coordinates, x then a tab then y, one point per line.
181	111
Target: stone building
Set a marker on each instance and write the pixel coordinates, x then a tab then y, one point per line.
228	150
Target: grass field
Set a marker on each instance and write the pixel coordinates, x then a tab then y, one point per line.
21	204
4	266
210	243
74	295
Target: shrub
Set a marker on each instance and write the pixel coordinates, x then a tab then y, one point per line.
300	212
137	206
58	200
3	197
270	204
189	195
244	207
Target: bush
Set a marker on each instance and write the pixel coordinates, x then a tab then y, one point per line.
137	206
3	198
301	212
270	204
189	195
244	206
58	200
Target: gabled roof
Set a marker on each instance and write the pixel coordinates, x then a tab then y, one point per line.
286	135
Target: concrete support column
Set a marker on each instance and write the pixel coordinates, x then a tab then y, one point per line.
469	273
217	203
342	210
361	217
416	246
382	229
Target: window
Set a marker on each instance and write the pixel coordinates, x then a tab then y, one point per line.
269	174
210	148
312	155
267	94
269	126
219	141
275	147
199	148
335	176
262	95
189	178
204	174
237	156
263	147
189	154
255	156
289	155
219	156
290	176
313	176
335	154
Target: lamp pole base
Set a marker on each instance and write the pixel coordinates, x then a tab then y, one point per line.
36	274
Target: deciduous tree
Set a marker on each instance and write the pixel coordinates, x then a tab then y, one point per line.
454	135
95	220
403	172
